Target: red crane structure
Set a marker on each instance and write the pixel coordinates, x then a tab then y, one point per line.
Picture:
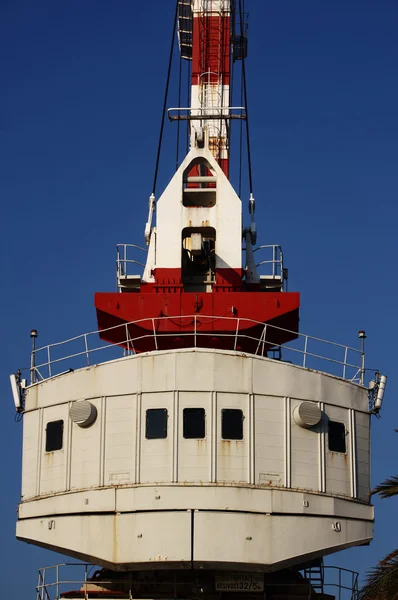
195	282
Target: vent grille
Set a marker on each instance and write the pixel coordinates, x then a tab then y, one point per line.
307	414
83	413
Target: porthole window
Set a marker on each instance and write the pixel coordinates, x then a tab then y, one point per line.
54	436
156	424
194	423
232	424
336	437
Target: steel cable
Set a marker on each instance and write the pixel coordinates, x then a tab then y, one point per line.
166	95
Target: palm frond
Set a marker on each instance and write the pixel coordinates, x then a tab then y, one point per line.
382	580
387	488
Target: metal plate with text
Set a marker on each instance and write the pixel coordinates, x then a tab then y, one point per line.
240	582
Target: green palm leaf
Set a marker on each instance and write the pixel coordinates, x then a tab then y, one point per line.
387	488
382	580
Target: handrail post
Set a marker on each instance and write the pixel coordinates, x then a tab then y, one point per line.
43	579
57	584
49	361
85	582
264	338
39	586
339	583
33	335
273	261
305	351
362	367
236	333
194	319
261	339
87	350
362	337
345	362
154	333
127	338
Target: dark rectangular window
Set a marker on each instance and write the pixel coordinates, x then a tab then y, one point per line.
232	424
156	424
336	436
54	436
193	423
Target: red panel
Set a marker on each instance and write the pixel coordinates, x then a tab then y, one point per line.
207	34
279	309
211	57
169	280
168	277
229	278
224	164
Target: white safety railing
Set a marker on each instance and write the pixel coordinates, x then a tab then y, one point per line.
125	257
273	263
203	332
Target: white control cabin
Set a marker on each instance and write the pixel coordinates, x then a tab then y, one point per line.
196	458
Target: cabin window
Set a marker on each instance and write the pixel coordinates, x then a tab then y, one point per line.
156	424
193	423
54	436
232	424
336	437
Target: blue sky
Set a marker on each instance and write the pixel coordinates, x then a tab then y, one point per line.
82	87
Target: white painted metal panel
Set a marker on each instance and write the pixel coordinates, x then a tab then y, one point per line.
225	217
156	456
30	453
53	465
338	465
233	373
363	454
154	537
194	455
120	439
158	372
269	440
89	501
115	540
112	378
235	499
304	454
233	455
271	542
86	450
283	379
194	371
259	376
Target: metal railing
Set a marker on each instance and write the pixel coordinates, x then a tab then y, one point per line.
304	351
207	113
341	583
58	581
86	581
271	266
274	264
125	257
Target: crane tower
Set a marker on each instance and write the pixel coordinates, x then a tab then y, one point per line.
203	446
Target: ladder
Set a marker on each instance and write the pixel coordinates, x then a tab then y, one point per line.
185	28
315	575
